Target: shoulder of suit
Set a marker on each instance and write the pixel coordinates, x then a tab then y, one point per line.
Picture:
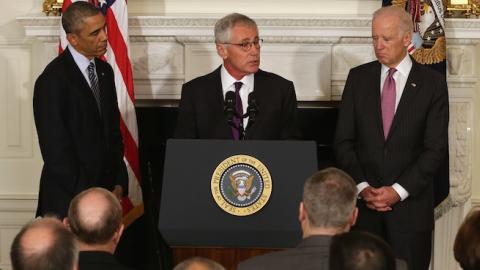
271	76
366	66
204	79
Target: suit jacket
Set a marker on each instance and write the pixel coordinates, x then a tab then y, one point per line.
99	260
201	109
414	148
311	253
81	147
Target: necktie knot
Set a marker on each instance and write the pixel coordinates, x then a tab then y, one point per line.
391	71
238	85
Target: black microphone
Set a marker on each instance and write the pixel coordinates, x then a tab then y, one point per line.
229	106
252	109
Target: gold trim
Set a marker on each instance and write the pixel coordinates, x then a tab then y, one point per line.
133	215
225	165
399	3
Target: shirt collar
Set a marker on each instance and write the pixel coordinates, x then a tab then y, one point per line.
80	59
228	80
403	67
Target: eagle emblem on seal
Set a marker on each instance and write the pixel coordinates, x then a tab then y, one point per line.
242	184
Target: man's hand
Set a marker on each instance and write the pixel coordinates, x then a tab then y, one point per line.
380	199
118	192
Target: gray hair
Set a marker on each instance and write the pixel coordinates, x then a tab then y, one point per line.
224	26
329	197
404	18
72	18
209	264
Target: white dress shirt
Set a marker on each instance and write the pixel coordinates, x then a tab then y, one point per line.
228	84
400	77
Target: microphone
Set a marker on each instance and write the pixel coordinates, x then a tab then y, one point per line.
229	106
252	109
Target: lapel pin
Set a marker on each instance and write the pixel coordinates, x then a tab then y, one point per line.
413	84
103	74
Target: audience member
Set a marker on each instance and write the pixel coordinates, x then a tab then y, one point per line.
95	218
466	248
44	244
198	263
328	208
359	250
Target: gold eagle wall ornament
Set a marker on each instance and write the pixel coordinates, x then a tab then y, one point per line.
53	7
433	49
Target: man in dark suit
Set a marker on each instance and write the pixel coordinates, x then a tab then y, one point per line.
391	137
328	208
76	116
267	100
95	218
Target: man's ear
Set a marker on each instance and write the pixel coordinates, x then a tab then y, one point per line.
118	234
354	216
72	39
221	50
302	213
407	39
66	222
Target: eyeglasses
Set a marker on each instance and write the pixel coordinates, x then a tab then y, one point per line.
247	45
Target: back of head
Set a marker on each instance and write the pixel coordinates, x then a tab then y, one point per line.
72	18
466	248
404	18
224	26
44	244
94	216
360	251
329	197
198	263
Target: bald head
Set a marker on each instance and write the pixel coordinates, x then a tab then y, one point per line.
94	216
44	244
198	263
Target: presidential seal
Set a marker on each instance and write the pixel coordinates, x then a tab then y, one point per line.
241	185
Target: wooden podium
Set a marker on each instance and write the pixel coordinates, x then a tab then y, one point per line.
194	223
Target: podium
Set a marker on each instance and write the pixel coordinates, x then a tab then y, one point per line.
227	198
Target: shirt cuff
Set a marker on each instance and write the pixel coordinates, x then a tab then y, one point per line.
403	193
361	186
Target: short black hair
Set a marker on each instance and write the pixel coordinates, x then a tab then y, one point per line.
72	18
359	250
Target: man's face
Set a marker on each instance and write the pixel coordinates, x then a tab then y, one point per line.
91	40
238	61
389	41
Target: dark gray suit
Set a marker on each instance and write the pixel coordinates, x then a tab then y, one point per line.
410	156
312	253
201	110
81	148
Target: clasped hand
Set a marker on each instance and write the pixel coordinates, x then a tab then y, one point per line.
380	199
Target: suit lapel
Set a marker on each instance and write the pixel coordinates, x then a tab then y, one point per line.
219	102
376	74
77	79
414	82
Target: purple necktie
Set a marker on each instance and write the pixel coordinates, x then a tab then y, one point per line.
388	101
237	119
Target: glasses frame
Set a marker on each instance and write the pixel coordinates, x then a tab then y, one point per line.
247	45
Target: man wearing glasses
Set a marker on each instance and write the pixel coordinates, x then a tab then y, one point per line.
238	100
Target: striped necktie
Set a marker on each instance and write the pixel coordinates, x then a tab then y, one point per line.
92	76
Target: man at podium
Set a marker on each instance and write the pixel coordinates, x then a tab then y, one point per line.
238	100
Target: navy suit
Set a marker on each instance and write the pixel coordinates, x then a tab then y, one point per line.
81	147
411	155
201	109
